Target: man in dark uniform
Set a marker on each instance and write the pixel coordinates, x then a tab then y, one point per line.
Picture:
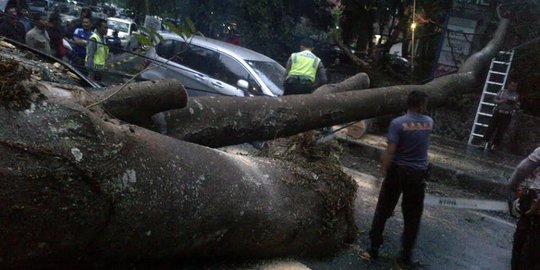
526	248
305	71
405	167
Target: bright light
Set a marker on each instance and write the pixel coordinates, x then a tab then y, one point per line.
337	27
413	25
376	38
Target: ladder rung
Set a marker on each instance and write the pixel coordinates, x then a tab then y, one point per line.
490	93
482	125
497	72
505	52
478	135
487	103
496	83
501	63
485	114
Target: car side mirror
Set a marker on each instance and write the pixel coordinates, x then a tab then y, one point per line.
243	84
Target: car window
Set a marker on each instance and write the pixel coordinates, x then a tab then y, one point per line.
195	57
228	70
271	73
120	26
165	48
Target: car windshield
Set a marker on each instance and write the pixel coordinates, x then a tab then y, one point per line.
120	26
271	73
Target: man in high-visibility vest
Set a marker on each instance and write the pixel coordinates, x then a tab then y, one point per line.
305	71
97	51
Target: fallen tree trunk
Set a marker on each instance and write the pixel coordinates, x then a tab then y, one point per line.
77	186
219	121
136	103
356	82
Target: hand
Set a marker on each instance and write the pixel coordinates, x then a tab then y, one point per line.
382	171
535	209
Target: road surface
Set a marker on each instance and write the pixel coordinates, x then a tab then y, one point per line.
448	239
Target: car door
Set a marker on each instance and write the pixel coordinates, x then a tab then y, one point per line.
186	64
226	73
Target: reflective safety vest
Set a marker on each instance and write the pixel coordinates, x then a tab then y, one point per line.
304	64
102	51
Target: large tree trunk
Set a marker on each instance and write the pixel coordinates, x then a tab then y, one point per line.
214	121
77	185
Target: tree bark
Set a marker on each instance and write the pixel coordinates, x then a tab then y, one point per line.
358	81
79	187
136	103
219	121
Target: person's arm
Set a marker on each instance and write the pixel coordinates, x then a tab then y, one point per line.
91	51
522	171
392	140
30	41
321	78
535	208
92	47
498	98
77	40
387	157
288	67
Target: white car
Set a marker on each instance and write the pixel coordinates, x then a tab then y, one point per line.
125	29
211	67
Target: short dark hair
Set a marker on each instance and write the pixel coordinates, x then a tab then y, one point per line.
99	23
86	13
416	99
55	17
306	43
38	16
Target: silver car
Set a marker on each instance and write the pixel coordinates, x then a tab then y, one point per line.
210	67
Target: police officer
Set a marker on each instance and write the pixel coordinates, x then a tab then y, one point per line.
405	167
97	50
526	248
305	71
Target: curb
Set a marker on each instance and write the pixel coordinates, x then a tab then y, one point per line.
441	173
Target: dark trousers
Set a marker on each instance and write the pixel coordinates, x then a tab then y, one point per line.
412	184
497	127
294	86
526	248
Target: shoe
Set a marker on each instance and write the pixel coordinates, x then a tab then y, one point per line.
406	262
373	253
405	259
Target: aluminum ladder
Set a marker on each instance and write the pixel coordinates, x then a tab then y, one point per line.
495	81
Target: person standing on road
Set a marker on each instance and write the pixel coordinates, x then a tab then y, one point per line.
80	39
97	51
526	247
305	71
506	105
406	170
